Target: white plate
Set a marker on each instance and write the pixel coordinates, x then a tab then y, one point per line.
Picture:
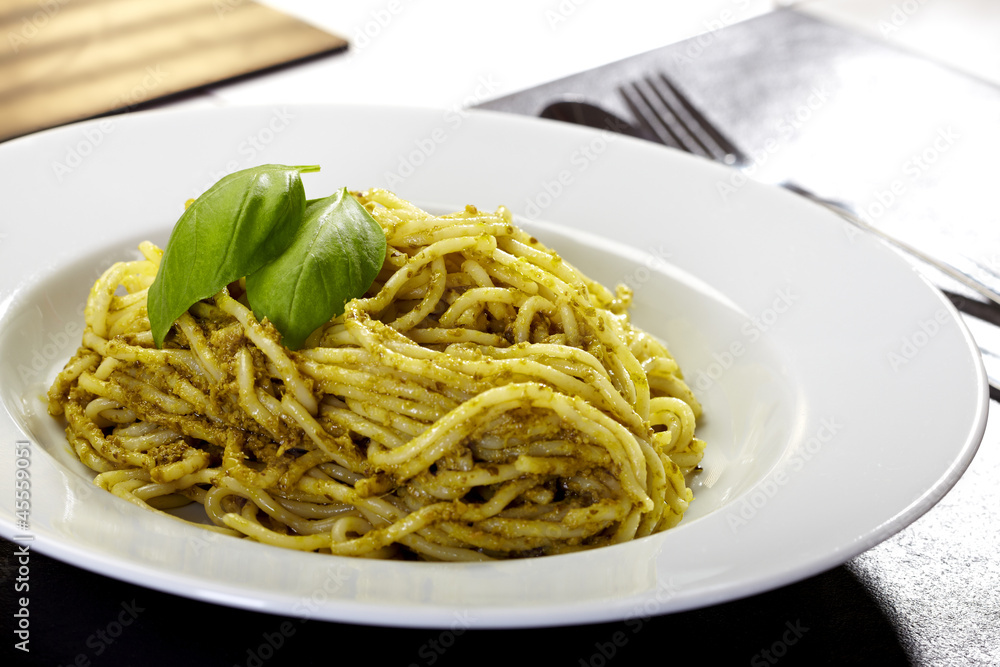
843	397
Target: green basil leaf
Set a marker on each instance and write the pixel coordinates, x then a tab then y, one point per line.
239	224
334	257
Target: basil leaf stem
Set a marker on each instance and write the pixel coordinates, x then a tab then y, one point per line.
239	224
334	257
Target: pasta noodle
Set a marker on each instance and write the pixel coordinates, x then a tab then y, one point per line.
483	400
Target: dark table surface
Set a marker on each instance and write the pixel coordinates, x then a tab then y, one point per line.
929	595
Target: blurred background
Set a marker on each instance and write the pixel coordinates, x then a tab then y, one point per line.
62	60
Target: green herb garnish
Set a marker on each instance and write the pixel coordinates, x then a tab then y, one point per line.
302	263
335	255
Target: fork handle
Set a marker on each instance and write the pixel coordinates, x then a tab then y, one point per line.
955	265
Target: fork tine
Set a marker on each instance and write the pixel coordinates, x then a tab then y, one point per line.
649	113
669	114
718	145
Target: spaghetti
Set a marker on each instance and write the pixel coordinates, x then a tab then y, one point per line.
484	399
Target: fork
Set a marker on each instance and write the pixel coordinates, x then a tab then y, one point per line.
669	116
666	113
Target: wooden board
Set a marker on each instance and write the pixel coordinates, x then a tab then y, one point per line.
64	60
